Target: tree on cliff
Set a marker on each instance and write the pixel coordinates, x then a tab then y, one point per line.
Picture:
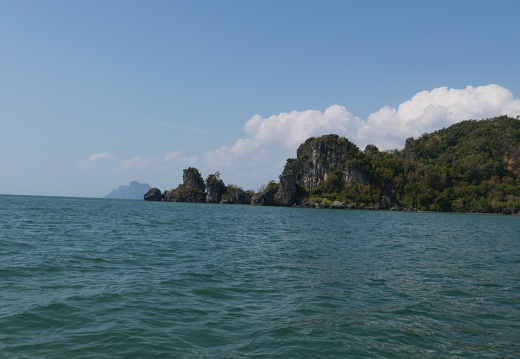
215	188
265	197
192	188
192	178
237	195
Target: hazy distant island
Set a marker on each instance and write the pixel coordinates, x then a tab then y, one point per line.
471	166
134	190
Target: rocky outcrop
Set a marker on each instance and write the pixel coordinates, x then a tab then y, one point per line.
266	197
192	188
290	193
317	157
236	195
215	188
154	194
337	205
191	178
328	161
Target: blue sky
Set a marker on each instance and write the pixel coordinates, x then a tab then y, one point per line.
95	94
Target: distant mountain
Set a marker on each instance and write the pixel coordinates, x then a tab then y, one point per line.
135	190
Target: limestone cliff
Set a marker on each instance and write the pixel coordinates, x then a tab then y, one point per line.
328	160
317	157
192	188
215	188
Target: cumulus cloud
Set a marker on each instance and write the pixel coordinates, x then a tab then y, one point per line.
102	156
290	129
284	132
276	138
172	156
137	162
430	111
96	159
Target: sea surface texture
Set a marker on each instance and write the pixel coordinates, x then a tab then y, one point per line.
100	278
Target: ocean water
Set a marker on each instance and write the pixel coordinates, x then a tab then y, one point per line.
99	278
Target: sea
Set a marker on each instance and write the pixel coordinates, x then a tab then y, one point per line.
104	278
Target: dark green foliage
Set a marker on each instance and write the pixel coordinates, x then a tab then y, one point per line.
185	194
472	166
272	186
265	196
191	190
236	195
215	188
192	178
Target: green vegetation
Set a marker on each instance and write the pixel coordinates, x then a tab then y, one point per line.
213	190
215	187
472	166
191	190
236	195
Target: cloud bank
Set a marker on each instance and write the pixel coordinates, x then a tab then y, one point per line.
430	111
98	159
387	128
270	141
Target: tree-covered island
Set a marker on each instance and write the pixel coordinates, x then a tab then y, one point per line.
472	166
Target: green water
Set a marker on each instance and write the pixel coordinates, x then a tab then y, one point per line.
93	278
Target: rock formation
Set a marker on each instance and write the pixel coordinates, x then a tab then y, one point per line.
215	188
266	197
328	161
192	188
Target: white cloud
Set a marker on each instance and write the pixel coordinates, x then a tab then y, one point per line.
96	159
164	163
101	156
172	156
291	129
285	131
430	111
137	162
270	141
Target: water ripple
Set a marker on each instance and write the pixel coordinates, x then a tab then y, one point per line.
101	278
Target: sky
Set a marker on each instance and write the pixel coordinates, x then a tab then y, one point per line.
95	94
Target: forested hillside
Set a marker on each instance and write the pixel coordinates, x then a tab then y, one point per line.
472	166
